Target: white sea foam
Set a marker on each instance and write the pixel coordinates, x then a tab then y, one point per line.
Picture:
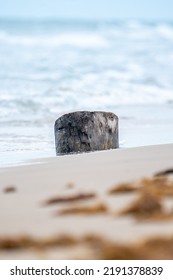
165	31
68	39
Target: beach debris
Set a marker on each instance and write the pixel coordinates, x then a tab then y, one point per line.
85	131
161	186
10	189
156	248
84	210
115	251
26	242
70	185
148	206
70	198
143	206
164	173
123	188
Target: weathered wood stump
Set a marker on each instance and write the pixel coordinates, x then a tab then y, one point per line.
86	131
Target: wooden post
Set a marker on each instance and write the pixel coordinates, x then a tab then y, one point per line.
85	131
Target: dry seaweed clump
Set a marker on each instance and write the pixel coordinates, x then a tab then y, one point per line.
84	210
147	206
70	185
151	249
161	186
119	252
102	249
10	243
124	188
70	198
164	172
10	189
144	206
159	248
26	242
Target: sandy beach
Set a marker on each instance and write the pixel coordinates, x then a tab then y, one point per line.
70	197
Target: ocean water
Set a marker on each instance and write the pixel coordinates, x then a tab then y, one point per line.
51	67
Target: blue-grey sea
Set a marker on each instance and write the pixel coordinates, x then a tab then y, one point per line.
51	67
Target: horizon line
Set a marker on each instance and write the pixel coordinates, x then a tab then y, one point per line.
43	18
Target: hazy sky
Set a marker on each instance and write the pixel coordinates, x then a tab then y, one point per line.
88	9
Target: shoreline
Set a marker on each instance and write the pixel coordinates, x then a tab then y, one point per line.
23	211
52	157
141	126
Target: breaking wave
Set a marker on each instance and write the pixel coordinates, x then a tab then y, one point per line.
68	39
